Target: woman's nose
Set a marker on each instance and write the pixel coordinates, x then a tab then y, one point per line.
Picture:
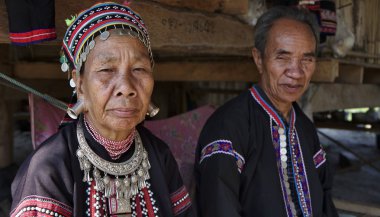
126	86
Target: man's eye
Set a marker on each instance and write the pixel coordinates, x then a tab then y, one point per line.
139	70
282	57
308	59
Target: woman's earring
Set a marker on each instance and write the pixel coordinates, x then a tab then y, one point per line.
75	111
152	110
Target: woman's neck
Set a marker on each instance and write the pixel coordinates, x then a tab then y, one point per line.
109	134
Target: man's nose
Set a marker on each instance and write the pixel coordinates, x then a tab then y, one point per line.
295	69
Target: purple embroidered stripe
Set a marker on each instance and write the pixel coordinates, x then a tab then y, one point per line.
300	176
319	158
222	147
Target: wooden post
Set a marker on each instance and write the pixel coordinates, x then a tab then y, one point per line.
6	131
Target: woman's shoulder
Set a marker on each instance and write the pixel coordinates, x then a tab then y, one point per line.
53	150
46	171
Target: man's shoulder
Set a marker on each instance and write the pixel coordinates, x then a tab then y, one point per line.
235	106
229	120
302	118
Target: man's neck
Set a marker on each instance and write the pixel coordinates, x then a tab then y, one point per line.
281	107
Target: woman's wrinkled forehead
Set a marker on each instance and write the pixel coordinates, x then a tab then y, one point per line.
98	22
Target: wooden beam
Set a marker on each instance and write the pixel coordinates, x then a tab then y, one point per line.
173	31
38	70
326	71
6	130
350	74
233	70
184	32
357	208
207	71
234	7
329	97
4	37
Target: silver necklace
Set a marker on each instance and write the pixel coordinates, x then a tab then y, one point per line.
130	176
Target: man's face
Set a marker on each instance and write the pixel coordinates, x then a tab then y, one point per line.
288	63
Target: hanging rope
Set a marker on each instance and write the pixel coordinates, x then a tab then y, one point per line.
16	84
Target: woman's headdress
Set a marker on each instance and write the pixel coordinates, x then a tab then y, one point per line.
97	21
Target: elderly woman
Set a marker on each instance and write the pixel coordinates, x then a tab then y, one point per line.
105	163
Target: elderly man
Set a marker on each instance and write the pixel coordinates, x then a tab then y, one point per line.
259	155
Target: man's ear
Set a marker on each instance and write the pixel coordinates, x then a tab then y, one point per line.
78	83
256	54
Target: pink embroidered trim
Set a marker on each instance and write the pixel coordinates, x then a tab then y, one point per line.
180	200
41	206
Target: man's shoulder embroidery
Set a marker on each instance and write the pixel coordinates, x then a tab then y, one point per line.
319	158
222	147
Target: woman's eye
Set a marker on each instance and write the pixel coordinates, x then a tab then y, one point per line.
105	70
282	57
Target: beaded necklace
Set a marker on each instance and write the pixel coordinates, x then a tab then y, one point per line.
124	186
114	148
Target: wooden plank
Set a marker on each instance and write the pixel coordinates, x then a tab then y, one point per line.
357	208
4	38
207	71
371	76
173	31
40	70
185	33
352	126
53	87
234	7
326	71
350	74
6	130
329	97
359	24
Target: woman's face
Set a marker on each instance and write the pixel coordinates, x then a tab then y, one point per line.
116	85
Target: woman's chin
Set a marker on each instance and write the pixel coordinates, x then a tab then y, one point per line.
122	124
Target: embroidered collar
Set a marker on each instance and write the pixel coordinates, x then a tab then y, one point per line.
262	99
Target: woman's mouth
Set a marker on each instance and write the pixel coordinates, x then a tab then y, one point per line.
124	112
